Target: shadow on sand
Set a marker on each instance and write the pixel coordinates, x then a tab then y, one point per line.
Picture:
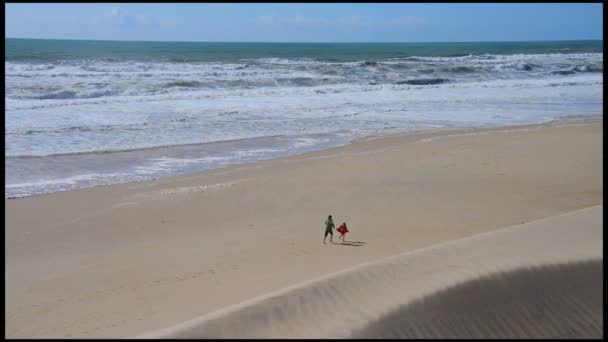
350	243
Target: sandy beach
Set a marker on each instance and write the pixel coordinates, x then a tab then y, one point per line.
537	280
468	205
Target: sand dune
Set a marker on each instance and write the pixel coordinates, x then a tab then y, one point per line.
540	279
549	301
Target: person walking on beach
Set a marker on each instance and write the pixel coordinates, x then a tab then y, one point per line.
343	230
329	226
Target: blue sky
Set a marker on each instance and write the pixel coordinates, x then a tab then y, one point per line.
290	22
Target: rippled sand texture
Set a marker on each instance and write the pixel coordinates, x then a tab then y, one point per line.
539	280
550	301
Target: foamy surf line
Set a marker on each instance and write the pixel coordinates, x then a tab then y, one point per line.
540	279
35	175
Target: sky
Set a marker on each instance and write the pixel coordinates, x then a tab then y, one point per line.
307	22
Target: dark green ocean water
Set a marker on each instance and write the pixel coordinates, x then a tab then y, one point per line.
49	50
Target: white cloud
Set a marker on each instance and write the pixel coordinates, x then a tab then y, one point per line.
300	19
354	20
141	19
266	19
112	15
290	20
118	16
407	21
346	21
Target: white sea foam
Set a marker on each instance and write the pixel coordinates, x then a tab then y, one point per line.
84	106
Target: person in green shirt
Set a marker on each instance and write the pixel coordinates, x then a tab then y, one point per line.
329	226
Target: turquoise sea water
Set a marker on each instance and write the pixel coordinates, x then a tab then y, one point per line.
48	50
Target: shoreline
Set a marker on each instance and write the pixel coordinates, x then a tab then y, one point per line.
400	133
120	260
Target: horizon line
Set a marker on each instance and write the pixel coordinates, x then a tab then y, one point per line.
308	42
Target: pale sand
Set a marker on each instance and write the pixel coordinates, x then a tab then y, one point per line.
538	280
117	261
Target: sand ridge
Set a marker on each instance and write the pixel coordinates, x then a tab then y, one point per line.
567	247
547	301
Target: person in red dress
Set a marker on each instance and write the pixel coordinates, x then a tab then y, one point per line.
343	230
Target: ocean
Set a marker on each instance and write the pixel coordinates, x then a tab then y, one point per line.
87	113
